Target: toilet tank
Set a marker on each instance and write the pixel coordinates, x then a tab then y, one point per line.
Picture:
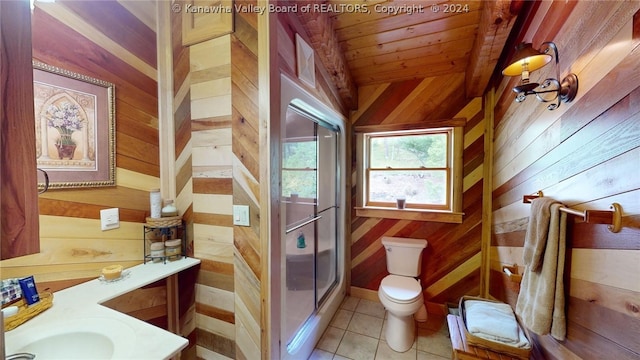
404	255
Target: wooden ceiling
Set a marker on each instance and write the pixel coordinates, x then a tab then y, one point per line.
364	42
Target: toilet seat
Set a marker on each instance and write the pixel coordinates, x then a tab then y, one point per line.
401	289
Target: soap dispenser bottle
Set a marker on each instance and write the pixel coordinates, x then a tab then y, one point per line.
301	244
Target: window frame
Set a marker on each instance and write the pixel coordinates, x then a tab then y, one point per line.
446	169
302	169
451	212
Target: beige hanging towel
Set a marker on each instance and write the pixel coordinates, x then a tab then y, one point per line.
541	301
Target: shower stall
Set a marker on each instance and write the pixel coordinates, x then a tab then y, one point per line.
311	220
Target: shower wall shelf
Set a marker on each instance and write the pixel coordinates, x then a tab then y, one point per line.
611	217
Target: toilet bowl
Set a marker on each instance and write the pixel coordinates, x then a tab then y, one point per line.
402	298
400	293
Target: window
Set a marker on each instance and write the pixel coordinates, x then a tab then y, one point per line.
299	168
421	166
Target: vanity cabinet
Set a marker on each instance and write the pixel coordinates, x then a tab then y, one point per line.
18	180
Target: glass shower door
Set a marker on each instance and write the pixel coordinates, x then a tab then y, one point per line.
326	256
299	208
308	208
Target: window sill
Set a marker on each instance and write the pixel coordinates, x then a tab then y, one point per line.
411	214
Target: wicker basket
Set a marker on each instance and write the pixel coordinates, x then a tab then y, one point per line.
26	312
488	344
164	221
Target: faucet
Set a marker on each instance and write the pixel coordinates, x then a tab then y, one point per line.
21	356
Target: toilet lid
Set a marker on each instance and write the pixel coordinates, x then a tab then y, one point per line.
401	288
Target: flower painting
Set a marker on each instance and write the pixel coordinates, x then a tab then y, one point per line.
74	128
66	119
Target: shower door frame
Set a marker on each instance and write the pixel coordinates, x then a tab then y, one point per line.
319	320
305	270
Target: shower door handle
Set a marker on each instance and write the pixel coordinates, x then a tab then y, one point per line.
303	224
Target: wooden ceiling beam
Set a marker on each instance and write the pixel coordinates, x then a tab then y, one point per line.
322	38
496	21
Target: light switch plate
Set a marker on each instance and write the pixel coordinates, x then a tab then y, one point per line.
109	219
241	215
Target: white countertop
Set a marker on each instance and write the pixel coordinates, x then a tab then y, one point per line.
83	301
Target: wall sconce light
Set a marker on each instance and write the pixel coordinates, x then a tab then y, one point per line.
526	60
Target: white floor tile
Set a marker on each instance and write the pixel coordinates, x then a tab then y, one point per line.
357	333
357	347
341	319
350	303
371	308
330	340
386	353
366	325
318	354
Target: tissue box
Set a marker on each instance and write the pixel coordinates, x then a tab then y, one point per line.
10	291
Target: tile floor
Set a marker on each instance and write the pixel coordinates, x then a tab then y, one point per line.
357	332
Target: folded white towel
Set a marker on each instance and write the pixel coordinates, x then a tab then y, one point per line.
523	342
491	319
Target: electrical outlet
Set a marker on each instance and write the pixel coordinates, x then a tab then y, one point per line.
109	219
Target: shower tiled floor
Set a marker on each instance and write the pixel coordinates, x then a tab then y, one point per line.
357	332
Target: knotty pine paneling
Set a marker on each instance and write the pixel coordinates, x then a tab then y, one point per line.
204	132
102	40
248	253
581	154
448	270
132	34
181	93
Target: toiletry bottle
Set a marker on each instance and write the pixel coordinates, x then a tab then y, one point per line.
169	209
156	203
301	244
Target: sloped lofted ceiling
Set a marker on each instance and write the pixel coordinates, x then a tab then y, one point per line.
365	42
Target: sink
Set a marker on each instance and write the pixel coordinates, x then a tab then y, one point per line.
88	338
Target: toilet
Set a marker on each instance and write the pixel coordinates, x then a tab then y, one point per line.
400	292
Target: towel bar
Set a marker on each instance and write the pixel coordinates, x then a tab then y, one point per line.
613	218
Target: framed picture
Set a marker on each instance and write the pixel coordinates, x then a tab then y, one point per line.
75	128
305	63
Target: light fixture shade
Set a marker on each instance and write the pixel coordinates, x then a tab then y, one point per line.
526	53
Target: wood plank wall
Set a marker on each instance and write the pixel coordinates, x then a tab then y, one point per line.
218	154
585	154
183	127
221	134
103	40
451	262
246	130
211	164
288	25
